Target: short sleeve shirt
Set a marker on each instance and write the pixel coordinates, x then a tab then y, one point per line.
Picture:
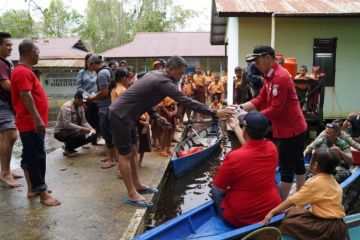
5	73
323	193
103	80
24	79
248	174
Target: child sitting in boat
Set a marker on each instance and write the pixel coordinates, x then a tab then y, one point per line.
244	187
324	219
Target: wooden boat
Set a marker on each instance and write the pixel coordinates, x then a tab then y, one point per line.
203	223
207	138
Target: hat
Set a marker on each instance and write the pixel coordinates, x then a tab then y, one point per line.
255	123
262	50
156	63
95	58
249	57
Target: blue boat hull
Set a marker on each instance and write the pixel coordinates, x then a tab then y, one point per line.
182	165
203	223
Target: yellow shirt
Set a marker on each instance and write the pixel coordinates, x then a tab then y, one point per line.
199	80
208	79
166	102
323	193
216	88
117	91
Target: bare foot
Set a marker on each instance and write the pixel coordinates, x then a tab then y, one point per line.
108	164
9	180
48	200
34	194
16	176
118	173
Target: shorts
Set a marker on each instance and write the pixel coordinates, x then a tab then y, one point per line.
7	118
291	157
105	130
125	133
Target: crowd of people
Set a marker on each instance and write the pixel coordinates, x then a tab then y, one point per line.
138	113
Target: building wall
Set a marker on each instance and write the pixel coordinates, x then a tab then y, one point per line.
294	38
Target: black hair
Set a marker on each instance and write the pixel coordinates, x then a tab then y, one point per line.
131	69
123	61
326	160
112	64
120	73
4	35
87	56
26	46
140	75
304	67
238	69
176	62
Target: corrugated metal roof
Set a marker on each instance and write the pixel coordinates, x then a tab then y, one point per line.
71	47
165	44
61	63
287	7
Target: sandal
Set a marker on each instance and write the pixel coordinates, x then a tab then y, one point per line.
107	165
142	202
164	154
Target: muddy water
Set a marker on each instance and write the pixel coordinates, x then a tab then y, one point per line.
182	194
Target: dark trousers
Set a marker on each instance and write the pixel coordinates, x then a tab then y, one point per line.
33	159
73	139
217	198
92	117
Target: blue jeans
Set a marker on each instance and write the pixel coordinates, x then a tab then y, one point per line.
33	159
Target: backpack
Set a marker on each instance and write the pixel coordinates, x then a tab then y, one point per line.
112	83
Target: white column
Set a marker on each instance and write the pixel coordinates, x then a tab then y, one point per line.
233	54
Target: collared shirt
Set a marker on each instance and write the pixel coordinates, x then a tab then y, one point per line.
249	175
323	193
86	80
279	103
71	118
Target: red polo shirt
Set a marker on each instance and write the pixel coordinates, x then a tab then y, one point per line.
278	102
24	79
249	175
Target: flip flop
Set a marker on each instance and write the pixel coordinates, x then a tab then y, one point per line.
137	203
107	165
148	191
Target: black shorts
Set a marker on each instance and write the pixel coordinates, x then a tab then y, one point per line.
124	132
291	157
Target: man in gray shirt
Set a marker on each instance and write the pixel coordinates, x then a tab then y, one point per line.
139	98
104	75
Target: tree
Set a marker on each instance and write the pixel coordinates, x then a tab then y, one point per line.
106	25
159	16
19	24
58	21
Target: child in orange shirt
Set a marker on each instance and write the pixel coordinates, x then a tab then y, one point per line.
168	109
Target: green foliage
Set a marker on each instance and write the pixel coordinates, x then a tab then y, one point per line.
18	23
107	24
58	21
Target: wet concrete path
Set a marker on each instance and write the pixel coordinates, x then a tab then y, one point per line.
91	199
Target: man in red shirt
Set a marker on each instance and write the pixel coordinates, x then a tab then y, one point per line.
31	107
247	175
279	103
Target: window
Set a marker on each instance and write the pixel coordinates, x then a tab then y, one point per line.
325	57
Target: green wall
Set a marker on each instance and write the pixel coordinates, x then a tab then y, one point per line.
294	38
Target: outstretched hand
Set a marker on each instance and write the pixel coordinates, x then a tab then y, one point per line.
222	113
233	121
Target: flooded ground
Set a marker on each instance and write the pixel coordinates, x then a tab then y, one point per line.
51	144
182	194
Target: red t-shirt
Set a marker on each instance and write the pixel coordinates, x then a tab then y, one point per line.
248	174
279	102
24	79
